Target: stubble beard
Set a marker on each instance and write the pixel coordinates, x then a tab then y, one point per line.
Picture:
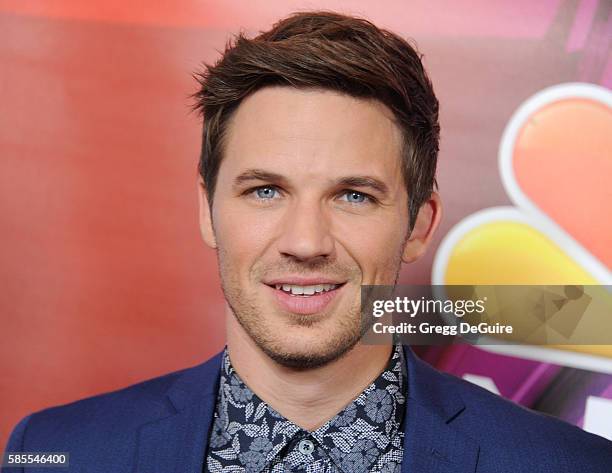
347	331
350	328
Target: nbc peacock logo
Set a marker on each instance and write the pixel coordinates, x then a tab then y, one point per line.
555	161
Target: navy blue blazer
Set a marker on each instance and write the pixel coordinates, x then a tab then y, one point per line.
451	426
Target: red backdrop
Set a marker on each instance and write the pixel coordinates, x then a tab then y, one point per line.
103	278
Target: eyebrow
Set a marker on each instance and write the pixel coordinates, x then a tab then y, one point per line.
364	181
257	175
347	181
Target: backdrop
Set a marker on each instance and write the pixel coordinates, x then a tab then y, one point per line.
103	278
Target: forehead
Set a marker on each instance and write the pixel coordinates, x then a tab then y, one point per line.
314	132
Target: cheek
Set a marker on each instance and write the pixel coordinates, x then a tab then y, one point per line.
242	234
375	245
376	229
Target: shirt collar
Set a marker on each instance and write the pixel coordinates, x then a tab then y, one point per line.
379	409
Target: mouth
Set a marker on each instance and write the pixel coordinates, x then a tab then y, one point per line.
306	291
305	299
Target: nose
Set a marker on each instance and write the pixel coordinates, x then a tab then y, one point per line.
306	232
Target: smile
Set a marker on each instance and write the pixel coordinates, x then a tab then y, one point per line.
305	290
304	299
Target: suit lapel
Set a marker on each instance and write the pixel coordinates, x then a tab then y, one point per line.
431	443
177	443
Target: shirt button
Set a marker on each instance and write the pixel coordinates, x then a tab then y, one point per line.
306	447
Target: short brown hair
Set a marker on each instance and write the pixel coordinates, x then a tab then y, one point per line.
330	51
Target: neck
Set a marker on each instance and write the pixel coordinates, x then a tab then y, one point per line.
310	397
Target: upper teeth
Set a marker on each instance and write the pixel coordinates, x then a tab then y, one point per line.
307	290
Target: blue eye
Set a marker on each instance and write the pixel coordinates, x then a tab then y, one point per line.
266	192
355	197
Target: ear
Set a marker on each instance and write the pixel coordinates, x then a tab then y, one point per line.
426	223
206	226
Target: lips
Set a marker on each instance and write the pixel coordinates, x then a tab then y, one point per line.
303	298
310	290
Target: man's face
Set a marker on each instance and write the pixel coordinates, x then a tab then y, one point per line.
309	205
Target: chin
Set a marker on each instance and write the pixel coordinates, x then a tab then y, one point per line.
308	352
298	341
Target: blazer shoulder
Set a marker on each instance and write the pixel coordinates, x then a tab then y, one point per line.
498	423
113	413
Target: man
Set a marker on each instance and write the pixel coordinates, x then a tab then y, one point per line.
317	177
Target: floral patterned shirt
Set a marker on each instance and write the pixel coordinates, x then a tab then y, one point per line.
366	436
